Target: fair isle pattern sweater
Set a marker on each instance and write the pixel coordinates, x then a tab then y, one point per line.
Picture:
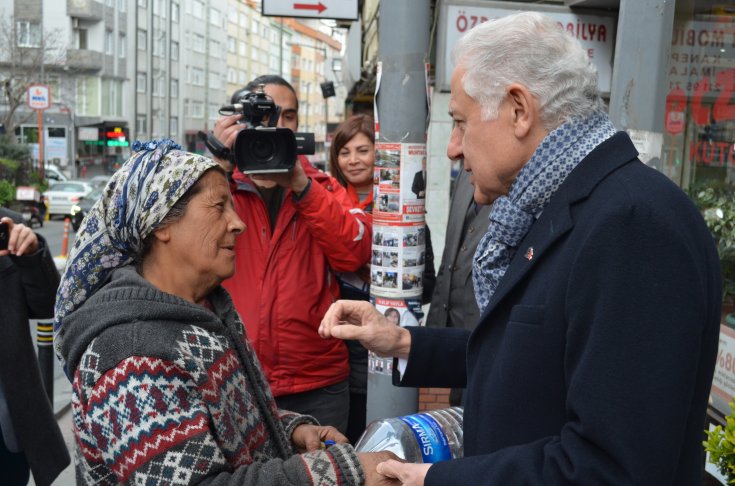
166	392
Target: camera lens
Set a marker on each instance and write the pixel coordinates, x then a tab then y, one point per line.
263	149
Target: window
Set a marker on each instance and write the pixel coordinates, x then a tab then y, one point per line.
159	8
121	5
215	17
215	81
254	53
254	25
243	20
29	34
242	48
175	12
140	82
142	40
198	40
231	44
109	43
198	9
231	75
215	50
173	127
197	109
242	77
158	45
143	3
196	76
174	88
158	85
141	123
213	111
81	37
232	15
122	46
110	3
174	50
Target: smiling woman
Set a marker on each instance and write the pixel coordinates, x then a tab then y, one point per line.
164	376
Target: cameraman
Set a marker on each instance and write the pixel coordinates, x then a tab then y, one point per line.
30	438
301	227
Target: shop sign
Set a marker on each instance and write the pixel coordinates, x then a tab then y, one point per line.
700	52
723	382
596	33
38	97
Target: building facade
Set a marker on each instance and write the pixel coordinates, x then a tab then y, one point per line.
121	70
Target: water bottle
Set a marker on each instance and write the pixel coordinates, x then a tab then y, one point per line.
425	437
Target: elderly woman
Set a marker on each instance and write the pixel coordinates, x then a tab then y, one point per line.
165	388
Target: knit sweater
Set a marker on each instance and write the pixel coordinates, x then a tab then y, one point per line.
169	392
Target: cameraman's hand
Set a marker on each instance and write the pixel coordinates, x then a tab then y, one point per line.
295	180
225	130
22	241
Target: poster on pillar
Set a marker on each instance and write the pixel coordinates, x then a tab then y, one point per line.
401	312
398	259
399	182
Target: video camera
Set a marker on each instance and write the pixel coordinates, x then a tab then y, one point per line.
261	147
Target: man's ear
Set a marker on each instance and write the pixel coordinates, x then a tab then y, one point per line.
524	106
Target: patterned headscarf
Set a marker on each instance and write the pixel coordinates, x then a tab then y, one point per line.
136	199
513	215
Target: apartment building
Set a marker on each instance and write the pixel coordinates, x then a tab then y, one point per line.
121	70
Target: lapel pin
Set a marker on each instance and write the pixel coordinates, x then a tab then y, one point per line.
529	253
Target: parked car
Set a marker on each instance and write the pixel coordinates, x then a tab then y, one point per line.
99	181
80	209
62	196
53	174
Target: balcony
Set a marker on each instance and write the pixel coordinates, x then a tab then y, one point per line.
84	60
85	9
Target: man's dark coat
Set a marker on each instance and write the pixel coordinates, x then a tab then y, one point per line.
593	362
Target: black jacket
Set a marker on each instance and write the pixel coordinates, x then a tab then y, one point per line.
29	286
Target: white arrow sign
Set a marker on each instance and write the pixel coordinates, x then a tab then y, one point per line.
320	9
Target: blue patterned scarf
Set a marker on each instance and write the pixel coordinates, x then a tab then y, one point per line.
513	215
136	199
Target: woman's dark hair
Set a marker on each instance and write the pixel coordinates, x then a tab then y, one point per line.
344	133
265	79
174	214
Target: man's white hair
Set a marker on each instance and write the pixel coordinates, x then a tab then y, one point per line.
531	49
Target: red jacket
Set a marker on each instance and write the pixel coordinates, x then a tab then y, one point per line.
283	282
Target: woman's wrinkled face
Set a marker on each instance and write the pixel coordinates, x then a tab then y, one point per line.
204	238
357	159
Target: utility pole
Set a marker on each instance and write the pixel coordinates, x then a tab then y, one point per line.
636	98
402	117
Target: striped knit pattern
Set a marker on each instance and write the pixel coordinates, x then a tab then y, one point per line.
153	421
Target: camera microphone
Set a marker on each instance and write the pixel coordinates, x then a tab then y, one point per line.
233	109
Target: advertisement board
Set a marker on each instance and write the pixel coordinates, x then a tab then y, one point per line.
595	31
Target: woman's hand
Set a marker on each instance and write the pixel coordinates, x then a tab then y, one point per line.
22	240
308	437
